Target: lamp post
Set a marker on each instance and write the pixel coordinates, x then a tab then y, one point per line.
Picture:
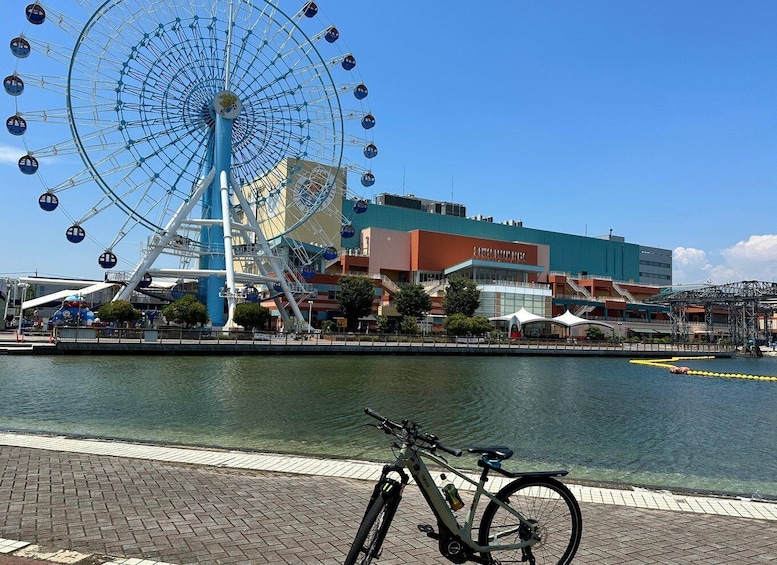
7	287
310	316
22	286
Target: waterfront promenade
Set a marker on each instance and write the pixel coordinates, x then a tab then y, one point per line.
149	342
92	502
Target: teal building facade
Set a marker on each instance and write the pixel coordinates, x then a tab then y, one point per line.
607	256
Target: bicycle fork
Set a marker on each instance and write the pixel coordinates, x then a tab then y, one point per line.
391	491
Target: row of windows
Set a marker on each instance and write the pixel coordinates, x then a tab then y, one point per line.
507	303
655	276
656	264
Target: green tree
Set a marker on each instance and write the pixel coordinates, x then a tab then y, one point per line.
479	325
409	325
413	301
461	297
251	316
383	324
119	311
457	324
355	298
187	311
594	333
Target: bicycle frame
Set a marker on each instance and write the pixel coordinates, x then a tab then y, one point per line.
410	457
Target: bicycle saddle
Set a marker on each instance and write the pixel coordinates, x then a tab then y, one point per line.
499	452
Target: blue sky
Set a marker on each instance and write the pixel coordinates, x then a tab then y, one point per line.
656	119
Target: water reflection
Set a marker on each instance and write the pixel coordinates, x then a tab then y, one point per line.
603	418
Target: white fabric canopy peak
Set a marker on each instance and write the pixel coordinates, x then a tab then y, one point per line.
521	317
568	319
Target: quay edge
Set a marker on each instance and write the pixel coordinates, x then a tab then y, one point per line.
225	347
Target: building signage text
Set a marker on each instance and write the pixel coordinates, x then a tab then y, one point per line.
492	254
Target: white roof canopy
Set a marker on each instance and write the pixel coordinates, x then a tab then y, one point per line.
62	294
521	317
568	319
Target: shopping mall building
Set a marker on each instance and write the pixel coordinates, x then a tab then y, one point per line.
404	239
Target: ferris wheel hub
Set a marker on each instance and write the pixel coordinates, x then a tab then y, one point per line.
227	104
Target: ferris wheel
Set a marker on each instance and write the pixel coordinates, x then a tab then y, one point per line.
224	129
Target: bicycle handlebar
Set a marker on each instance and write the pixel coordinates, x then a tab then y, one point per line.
408	431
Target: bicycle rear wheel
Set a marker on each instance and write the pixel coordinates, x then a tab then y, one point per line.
369	538
553	512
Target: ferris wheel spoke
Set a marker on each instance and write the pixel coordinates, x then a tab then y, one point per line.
79	179
97	142
66	23
61	116
103	204
86	5
175	148
46	48
129	226
197	54
254	49
280	30
66	147
300	73
135	198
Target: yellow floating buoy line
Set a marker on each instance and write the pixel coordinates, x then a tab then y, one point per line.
669	364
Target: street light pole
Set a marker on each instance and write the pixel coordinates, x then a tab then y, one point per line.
7	287
310	316
22	286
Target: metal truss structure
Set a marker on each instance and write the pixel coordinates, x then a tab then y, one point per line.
746	302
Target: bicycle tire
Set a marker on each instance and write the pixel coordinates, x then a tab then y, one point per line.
544	500
368	536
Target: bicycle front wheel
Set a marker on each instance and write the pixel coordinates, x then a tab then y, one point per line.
553	516
369	538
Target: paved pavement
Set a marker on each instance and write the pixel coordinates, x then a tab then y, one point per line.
99	502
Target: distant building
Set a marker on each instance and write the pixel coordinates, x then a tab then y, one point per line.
405	239
609	256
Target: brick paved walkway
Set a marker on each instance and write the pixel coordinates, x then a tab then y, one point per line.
128	509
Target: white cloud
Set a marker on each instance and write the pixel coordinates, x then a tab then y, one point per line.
754	259
690	265
9	155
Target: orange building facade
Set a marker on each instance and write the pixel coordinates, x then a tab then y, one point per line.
509	275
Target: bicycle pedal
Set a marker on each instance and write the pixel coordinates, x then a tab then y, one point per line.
428	530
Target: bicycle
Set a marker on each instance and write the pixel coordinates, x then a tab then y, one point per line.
535	518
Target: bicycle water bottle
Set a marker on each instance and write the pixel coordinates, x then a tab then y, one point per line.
452	496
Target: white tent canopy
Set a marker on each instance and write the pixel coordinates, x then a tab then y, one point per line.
521	317
62	294
568	319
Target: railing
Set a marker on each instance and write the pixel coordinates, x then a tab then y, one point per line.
579	289
304	339
353	252
583	310
623	292
389	284
514	284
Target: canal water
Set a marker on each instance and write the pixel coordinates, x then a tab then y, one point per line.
604	419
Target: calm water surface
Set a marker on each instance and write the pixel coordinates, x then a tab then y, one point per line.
604	419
